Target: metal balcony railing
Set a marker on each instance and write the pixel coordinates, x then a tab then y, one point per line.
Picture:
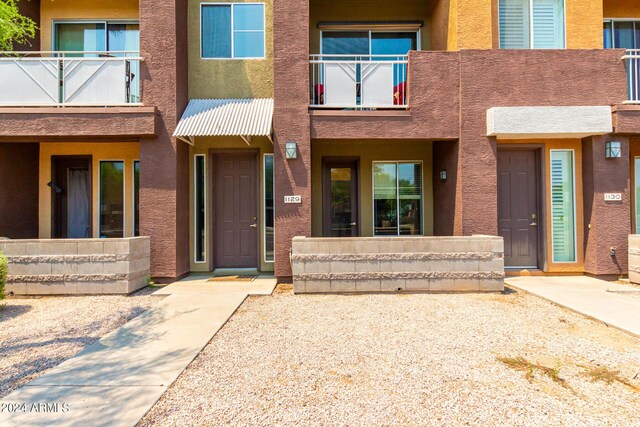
632	59
86	79
359	82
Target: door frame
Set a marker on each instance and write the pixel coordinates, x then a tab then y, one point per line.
54	202
541	185
211	203
346	161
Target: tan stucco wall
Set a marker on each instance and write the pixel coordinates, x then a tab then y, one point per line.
368	152
82	10
576	146
367	11
444	17
128	152
229	78
621	9
584	24
204	146
475	24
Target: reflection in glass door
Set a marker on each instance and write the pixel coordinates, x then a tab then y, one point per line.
340	214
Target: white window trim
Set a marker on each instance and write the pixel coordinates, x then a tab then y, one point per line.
54	40
635	194
613	21
195	211
133	196
422	199
575	212
264	209
232	5
564	26
124	194
346	30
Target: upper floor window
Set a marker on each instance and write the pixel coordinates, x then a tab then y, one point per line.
233	31
532	24
621	34
97	36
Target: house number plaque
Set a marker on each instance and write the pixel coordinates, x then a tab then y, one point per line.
293	199
612	197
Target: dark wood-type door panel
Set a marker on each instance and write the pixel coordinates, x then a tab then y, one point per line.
518	207
61	169
236	211
340	212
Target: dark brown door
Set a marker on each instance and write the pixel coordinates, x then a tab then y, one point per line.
340	198
518	207
70	188
236	212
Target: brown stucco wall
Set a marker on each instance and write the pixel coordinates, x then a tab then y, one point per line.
19	190
445	158
30	9
65	124
607	224
291	123
164	165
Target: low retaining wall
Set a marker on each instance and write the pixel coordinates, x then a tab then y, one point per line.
77	266
381	264
634	258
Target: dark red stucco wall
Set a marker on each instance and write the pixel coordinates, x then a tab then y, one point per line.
19	166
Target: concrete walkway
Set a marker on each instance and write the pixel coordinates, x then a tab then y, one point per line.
115	381
611	303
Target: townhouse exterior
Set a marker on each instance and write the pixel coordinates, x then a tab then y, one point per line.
242	125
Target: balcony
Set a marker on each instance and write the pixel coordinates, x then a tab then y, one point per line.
358	82
70	79
632	58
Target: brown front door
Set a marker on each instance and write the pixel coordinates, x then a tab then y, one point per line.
236	211
518	207
340	198
70	188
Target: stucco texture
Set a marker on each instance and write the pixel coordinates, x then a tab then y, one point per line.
622	9
229	78
368	11
204	145
127	152
583	24
368	152
82	10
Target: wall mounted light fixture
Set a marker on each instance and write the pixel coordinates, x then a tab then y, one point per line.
291	150
613	150
443	175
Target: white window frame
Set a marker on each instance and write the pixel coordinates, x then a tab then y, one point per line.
422	200
195	211
613	27
106	22
531	35
575	212
232	5
347	30
124	195
133	196
264	208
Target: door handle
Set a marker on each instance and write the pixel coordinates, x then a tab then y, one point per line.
534	224
254	226
353	224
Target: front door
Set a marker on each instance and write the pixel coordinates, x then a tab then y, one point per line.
518	216
340	194
236	212
70	188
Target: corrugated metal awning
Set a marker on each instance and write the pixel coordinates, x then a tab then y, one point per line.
226	117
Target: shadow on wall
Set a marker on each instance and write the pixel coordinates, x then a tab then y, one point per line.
445	160
19	170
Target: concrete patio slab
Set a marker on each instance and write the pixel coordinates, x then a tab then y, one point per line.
596	299
119	378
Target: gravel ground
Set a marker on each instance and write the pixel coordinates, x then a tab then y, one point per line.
39	333
404	360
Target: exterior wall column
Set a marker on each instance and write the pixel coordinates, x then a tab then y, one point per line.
607	224
164	168
291	123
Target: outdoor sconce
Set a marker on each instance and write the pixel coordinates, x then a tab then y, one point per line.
613	149
443	175
291	150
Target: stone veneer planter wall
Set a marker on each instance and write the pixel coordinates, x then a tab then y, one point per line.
634	258
77	266
392	264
